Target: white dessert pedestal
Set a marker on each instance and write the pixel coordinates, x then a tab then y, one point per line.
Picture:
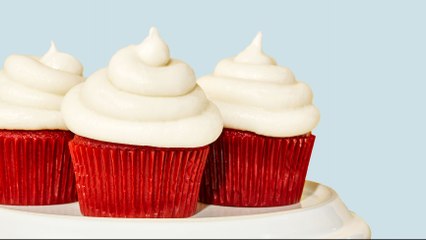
320	214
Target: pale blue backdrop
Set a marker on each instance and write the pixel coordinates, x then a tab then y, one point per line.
365	61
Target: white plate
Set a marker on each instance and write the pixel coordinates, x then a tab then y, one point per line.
320	214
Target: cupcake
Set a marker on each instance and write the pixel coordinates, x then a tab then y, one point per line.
262	157
35	163
143	129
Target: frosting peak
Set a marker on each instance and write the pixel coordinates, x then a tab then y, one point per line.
254	54
61	61
147	69
253	64
153	50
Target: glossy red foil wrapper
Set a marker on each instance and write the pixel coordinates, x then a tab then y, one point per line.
244	169
36	167
116	180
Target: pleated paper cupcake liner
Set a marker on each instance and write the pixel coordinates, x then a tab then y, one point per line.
115	180
244	169
36	168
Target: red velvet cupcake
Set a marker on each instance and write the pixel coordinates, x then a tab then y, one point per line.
35	163
143	129
262	157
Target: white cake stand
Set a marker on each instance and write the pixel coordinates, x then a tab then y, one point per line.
320	214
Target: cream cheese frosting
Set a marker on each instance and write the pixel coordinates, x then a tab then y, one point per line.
144	98
32	89
254	94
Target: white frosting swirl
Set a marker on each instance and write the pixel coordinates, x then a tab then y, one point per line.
254	94
143	98
32	89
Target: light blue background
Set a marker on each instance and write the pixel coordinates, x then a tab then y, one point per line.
365	61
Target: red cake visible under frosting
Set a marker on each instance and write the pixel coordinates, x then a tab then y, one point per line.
36	167
248	170
117	180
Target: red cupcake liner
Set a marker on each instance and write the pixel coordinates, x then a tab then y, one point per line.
36	168
116	180
244	169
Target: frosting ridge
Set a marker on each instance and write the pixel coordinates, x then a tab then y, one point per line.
145	98
32	89
255	94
